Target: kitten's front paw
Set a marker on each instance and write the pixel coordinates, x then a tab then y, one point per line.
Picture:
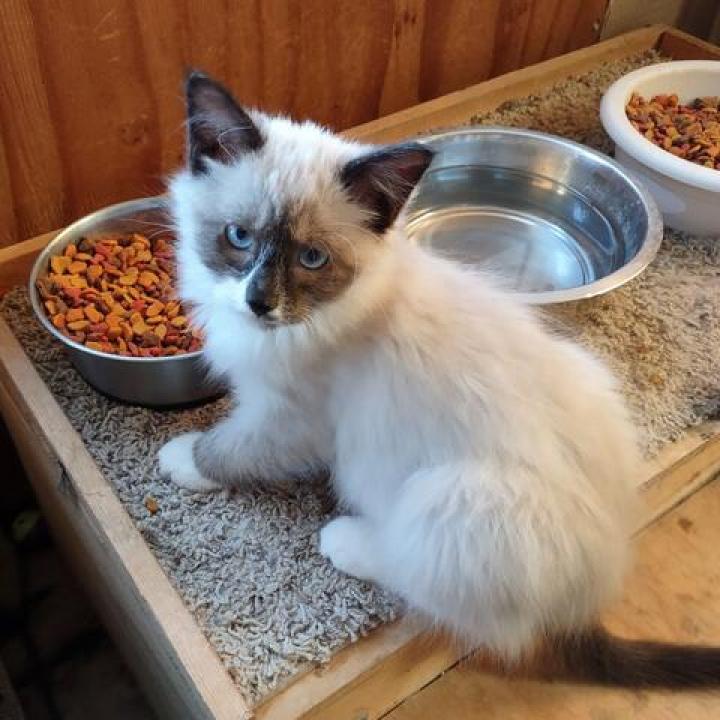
348	544
177	463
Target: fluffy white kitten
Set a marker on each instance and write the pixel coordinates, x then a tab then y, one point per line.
487	467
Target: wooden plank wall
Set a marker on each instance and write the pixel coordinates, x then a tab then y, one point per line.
90	90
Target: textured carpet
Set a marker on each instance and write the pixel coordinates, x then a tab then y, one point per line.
247	563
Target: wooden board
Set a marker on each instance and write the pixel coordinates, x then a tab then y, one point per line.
182	674
90	92
673	595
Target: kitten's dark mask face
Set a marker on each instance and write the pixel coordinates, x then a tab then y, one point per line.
286	266
296	211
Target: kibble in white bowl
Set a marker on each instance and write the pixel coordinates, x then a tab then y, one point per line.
687	194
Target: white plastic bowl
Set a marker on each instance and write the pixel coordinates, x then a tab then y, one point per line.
687	194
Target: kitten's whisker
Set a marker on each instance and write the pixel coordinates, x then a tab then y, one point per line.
151	222
159	227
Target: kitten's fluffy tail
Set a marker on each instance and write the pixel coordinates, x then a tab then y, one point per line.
599	657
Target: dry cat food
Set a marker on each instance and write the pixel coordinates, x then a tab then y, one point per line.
691	132
115	294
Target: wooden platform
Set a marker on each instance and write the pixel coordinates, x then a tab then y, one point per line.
671	596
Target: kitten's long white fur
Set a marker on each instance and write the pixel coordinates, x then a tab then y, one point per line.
488	464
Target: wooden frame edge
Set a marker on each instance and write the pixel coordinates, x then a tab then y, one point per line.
672	41
17	259
102	535
681	469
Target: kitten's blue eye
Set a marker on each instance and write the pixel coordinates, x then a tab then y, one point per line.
238	237
313	258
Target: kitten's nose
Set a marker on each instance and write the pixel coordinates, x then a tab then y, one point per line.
261	295
259	307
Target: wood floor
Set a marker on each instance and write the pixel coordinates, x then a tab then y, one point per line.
673	594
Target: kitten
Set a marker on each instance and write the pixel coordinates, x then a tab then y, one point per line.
487	466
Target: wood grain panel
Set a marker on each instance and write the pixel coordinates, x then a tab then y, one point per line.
32	172
90	90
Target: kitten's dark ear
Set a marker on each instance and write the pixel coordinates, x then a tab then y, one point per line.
218	128
383	180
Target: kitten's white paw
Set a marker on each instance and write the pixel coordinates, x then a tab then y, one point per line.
177	462
349	545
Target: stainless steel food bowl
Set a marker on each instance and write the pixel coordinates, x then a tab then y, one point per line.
557	220
154	382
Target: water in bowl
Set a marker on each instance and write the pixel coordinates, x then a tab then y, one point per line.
536	232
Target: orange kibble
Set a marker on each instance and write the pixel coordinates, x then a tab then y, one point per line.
59	321
92	314
112	319
126	280
126	330
140	328
160	331
114	332
71	250
75	314
78	282
148	279
62	281
155	319
93	345
77	267
155	309
78	325
179	321
94	272
51	307
60	264
151	504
